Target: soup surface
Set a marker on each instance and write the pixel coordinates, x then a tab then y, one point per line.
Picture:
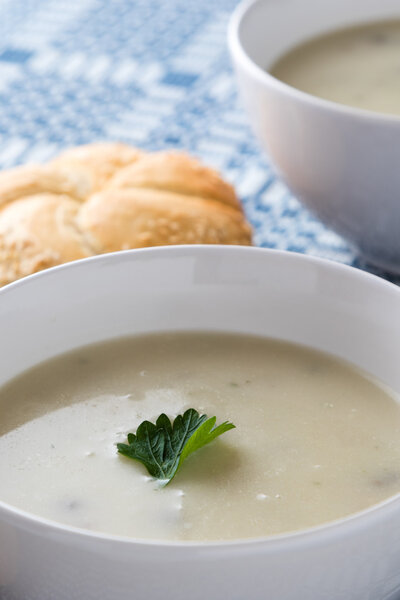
356	66
315	439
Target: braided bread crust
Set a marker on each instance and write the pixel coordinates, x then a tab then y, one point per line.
108	197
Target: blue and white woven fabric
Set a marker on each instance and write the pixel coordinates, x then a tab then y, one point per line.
153	73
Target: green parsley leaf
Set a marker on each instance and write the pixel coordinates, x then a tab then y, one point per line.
162	447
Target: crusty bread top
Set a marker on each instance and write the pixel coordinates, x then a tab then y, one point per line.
108	197
36	179
136	218
95	162
176	172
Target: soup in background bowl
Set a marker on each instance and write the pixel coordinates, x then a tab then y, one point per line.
340	161
184	299
356	66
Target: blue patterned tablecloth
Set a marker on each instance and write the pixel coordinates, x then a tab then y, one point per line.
153	73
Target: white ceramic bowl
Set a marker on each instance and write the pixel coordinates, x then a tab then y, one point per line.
343	163
288	296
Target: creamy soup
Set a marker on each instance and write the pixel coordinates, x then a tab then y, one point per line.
315	438
358	66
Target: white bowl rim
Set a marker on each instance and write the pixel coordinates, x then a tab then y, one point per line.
263	76
338	528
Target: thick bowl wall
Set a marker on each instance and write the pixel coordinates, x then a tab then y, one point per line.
291	297
341	162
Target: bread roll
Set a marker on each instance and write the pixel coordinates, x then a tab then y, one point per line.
108	197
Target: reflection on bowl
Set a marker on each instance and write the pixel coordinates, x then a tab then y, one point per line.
291	297
342	162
